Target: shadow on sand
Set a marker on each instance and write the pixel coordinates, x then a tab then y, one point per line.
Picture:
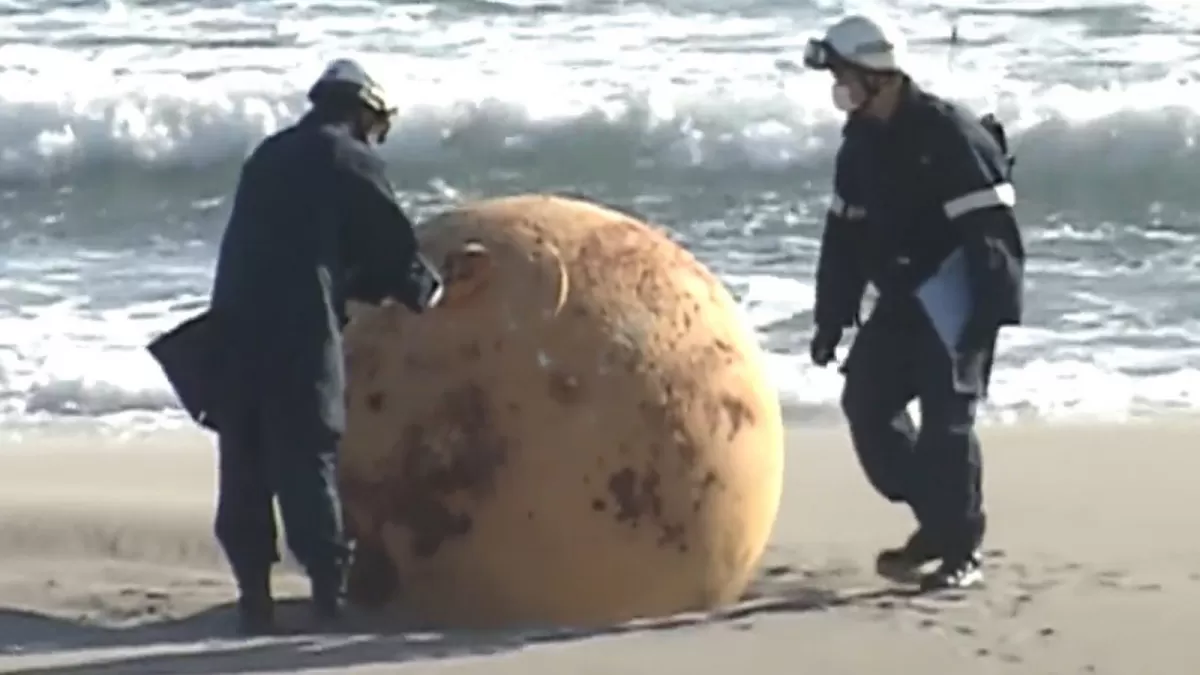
204	643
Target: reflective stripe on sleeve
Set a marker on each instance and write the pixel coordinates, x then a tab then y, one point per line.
989	197
837	206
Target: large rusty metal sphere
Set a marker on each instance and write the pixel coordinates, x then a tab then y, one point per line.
582	434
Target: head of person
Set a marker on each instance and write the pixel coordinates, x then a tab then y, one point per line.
345	93
866	57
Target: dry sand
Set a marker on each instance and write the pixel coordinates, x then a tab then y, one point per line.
107	566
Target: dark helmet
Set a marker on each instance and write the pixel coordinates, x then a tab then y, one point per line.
344	82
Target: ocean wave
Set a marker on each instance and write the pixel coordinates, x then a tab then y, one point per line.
1111	147
69	363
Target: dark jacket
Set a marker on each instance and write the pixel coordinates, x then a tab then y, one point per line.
314	223
909	193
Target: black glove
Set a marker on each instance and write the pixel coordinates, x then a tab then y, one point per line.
824	345
425	285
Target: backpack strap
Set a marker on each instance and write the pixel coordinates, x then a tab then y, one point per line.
996	129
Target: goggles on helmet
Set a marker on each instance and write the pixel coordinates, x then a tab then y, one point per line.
373	97
818	55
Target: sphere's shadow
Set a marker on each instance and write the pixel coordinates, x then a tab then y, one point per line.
205	643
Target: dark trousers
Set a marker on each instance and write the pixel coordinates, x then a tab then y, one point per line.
268	451
897	357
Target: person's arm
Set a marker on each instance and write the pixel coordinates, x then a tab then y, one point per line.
841	281
977	197
383	257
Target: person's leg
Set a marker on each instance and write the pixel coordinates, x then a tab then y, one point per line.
877	391
303	457
245	518
949	477
875	396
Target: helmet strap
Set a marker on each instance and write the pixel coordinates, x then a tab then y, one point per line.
381	124
866	82
869	85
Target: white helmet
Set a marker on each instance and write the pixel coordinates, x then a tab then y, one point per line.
860	42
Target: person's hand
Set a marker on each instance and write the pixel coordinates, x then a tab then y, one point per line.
436	296
824	344
425	287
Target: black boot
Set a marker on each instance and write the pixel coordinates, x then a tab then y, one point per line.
256	607
904	564
962	566
328	592
955	573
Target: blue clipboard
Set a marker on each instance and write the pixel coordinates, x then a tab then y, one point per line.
946	297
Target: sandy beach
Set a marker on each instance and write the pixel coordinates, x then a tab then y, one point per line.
107	565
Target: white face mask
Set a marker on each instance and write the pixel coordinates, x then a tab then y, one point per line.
842	99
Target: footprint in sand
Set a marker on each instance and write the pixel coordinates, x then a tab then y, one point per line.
778	571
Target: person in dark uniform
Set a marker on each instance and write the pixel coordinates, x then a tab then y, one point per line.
923	211
314	222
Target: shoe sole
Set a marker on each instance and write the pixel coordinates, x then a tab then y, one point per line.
902	573
969	580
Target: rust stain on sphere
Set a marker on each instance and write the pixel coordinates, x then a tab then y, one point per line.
583	434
